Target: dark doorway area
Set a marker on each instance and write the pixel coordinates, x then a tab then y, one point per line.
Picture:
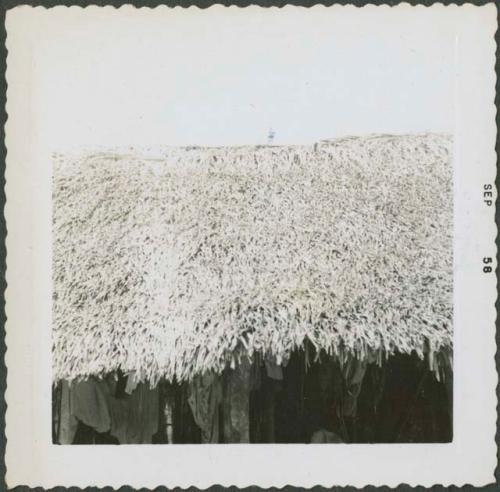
313	399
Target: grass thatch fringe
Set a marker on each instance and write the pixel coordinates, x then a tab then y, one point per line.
179	264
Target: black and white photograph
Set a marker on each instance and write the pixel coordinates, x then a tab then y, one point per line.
257	228
263	283
255	294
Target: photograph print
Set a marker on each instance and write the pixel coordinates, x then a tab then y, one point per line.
253	242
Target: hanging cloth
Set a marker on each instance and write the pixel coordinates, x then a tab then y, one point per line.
204	398
135	418
89	403
67	421
378	384
132	382
237	403
273	370
255	374
353	372
132	419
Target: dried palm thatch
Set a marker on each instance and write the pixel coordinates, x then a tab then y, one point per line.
184	263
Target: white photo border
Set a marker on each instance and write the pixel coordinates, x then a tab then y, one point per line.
31	458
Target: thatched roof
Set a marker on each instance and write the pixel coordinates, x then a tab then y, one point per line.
183	263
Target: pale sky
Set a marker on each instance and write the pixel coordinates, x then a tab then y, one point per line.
225	76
